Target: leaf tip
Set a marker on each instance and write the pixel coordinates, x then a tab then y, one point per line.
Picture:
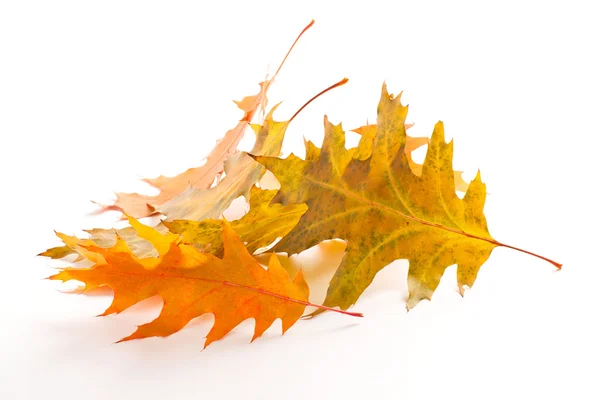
414	300
130	337
558	266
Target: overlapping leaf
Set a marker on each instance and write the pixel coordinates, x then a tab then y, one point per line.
139	205
384	210
192	283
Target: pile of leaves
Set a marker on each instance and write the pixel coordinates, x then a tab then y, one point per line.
384	205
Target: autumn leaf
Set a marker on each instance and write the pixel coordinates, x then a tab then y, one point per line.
192	283
384	210
139	205
199	178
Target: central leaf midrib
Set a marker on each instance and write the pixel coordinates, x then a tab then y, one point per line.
163	275
393	211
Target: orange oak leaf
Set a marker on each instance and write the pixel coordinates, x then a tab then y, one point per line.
139	206
192	283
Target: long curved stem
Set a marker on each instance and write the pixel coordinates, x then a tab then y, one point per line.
556	264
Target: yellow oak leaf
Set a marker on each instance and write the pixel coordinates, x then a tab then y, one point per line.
192	283
384	210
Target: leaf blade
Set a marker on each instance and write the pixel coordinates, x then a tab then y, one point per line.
384	197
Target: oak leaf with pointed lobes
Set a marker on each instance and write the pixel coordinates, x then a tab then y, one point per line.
385	211
200	178
192	283
258	228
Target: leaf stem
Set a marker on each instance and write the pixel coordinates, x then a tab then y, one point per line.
322	307
291	48
556	264
499	244
492	241
338	84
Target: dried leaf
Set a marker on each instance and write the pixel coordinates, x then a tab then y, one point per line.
199	178
383	210
192	283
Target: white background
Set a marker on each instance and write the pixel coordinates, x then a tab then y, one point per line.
94	95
